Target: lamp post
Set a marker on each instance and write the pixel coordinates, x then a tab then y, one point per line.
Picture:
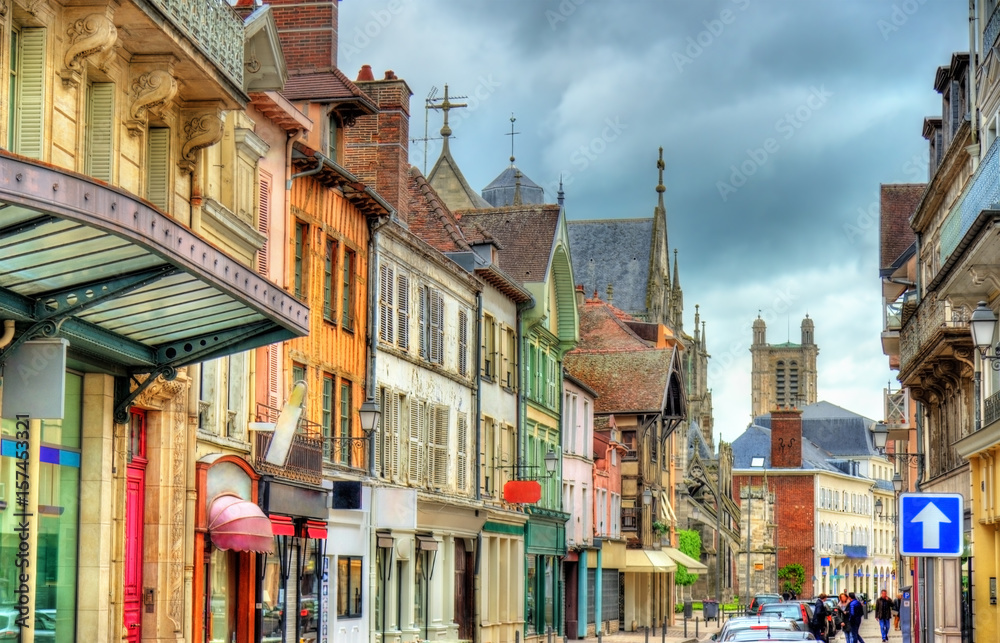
982	325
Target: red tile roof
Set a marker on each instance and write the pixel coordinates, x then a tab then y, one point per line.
525	232
897	203
327	86
430	219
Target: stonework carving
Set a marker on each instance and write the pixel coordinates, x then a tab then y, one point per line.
152	91
159	392
3	9
94	37
175	566
201	131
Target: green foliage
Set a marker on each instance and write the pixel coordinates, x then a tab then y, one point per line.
660	527
689	542
791	577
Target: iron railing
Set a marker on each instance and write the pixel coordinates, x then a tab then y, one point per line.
214	27
933	319
991	409
980	193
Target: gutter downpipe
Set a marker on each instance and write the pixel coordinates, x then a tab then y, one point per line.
8	333
373	226
478	392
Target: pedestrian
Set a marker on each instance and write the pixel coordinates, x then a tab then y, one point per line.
856	612
883	613
895	610
819	626
845	617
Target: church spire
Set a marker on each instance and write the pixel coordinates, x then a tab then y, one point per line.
561	197
677	297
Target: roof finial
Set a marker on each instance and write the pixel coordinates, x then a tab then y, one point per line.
511	135
517	187
445	106
660	165
561	196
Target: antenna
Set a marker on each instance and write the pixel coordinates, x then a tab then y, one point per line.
444	104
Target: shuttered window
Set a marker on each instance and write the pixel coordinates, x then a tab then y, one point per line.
99	128
462	460
402	311
329	286
386	284
27	92
264	219
158	168
439	446
272	376
415	462
463	343
347	303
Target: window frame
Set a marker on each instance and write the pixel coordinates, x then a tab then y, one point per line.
348	282
331	249
349	613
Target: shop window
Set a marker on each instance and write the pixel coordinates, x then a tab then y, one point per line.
222	603
530	595
311	573
349	584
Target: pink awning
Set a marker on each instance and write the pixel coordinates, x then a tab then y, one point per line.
240	525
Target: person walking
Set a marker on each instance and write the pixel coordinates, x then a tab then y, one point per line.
845	617
895	610
883	613
819	626
856	613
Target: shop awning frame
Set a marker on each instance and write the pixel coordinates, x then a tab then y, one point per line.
693	566
125	283
648	561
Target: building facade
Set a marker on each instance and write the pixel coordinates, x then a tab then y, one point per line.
782	374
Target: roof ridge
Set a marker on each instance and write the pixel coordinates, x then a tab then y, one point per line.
445	216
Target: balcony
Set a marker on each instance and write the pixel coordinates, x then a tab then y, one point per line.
934	330
980	193
855	551
215	29
305	459
991	409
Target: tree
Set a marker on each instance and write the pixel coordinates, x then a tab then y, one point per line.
792	576
689	542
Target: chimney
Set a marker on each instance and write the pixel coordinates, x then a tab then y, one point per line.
378	150
307	30
580	296
786	438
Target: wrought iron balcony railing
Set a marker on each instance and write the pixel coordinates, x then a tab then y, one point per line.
214	27
933	320
980	193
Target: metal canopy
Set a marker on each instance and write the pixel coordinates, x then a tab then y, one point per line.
121	280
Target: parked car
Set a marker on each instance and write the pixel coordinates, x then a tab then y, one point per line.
772	635
836	616
45	625
763	623
799	611
763	599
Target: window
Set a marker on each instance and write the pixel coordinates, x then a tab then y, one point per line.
510	359
263	218
402	311
432	325
329	288
301	239
298	372
417	441
347	303
345	422
463	343
27	92
438	456
99	128
462	464
328	384
332	131
158	173
489	346
349	596
386	282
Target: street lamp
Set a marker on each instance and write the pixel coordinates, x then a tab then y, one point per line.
983	325
897	483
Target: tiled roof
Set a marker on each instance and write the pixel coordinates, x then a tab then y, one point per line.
897	203
616	252
834	429
755	441
430	220
602	330
526	233
625	381
327	86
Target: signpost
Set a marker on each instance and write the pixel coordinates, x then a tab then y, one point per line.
930	524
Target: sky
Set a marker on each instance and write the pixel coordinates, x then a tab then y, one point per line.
779	119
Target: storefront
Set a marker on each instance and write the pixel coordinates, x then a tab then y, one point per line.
136	296
545	545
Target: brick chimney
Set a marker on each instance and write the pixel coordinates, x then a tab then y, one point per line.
786	438
308	33
378	146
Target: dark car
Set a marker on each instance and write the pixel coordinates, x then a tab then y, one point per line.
800	612
763	599
836	616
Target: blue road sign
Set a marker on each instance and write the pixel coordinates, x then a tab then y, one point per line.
930	524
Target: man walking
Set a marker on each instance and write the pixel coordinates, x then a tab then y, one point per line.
819	626
856	613
883	612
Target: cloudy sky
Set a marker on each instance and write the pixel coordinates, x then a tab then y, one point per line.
778	118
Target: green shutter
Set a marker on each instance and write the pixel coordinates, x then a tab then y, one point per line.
30	127
100	130
158	167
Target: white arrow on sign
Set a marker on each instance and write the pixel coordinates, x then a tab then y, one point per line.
932	517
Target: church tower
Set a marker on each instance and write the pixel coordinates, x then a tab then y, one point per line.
783	375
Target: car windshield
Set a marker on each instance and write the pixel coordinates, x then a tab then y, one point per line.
787	610
755	635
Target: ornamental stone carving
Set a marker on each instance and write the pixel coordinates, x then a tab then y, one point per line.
151	92
201	131
91	37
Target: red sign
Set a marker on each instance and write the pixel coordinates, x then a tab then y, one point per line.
522	491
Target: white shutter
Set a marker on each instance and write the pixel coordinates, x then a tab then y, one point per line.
158	168
403	311
30	99
424	333
437	327
462	479
463	343
99	151
385	317
272	375
441	419
415	455
380	441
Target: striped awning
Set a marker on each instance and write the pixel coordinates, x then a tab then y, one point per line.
122	281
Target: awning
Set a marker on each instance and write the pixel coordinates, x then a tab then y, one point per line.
124	282
314	529
693	566
647	561
240	525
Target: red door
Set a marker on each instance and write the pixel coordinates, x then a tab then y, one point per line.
135	493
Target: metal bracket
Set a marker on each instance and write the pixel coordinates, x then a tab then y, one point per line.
45	328
71	301
124	396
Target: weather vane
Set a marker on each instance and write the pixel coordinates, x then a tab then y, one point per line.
511	135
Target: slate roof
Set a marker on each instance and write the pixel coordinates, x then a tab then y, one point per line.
327	86
429	219
500	191
755	441
897	203
526	234
697	443
599	256
834	429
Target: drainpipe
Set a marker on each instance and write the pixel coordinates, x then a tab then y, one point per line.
479	394
973	108
373	227
191	492
309	172
8	333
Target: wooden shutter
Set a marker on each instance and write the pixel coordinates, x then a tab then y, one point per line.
383	404
264	219
437	327
385	304
462	478
30	108
416	446
463	343
439	438
99	150
158	167
424	334
272	375
403	311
